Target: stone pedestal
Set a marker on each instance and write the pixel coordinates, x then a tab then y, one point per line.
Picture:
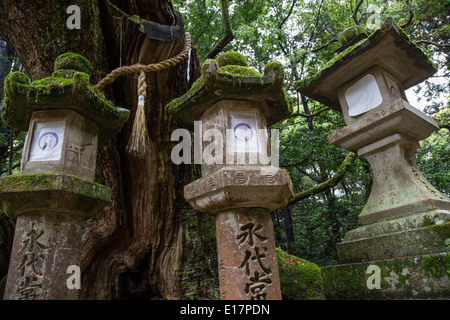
405	221
412	277
405	214
239	181
50	209
246	253
242	199
67	121
41	256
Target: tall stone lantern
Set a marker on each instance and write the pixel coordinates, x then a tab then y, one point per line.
233	105
405	218
67	120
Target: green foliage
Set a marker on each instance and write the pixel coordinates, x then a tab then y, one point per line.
433	159
303	36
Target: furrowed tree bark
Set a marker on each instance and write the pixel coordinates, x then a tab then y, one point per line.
136	247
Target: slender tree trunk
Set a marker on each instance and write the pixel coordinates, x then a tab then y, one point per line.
135	247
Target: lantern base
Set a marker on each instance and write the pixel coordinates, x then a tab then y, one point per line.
412	277
422	233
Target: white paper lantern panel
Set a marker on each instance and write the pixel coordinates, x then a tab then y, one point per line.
47	141
245	132
363	95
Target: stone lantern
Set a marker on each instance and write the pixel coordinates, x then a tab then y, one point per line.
233	106
405	215
67	120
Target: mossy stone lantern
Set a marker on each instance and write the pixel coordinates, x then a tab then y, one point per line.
235	106
366	82
67	120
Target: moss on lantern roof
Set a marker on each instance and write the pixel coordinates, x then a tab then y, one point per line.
67	88
388	47
351	33
232	58
227	81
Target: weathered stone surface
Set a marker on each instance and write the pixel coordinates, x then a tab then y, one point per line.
225	83
78	143
389	91
240	187
247	257
52	192
218	118
422	233
388	47
399	188
414	277
45	245
68	88
398	117
235	105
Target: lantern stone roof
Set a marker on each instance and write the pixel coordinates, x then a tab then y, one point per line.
68	88
229	78
388	47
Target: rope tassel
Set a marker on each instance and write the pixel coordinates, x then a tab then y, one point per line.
139	141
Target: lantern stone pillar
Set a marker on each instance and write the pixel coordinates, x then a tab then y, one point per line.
234	105
67	121
405	221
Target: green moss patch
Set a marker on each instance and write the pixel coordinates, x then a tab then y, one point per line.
300	279
70	60
351	33
68	88
239	71
232	58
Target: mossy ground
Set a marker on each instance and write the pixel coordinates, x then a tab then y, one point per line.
412	277
300	279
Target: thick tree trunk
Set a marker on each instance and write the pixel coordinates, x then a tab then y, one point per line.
134	248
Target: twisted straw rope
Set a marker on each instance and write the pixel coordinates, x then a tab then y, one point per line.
135	68
139	139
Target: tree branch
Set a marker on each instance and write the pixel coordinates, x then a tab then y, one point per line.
433	43
330	183
411	15
355	12
228	35
308	115
288	15
325	45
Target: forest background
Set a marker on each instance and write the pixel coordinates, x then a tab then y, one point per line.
331	184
